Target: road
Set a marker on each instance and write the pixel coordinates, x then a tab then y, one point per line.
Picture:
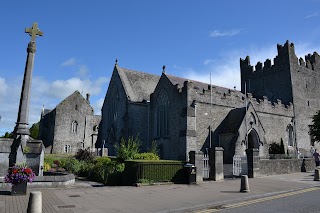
303	201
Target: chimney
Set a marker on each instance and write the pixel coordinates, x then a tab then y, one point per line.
88	97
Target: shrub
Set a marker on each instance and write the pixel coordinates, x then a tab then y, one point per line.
158	171
85	155
127	149
146	156
154	148
86	169
274	148
72	165
101	169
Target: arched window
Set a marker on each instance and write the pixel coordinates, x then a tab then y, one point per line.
74	126
162	114
290	135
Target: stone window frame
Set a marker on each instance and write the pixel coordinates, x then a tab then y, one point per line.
67	148
290	135
162	114
74	126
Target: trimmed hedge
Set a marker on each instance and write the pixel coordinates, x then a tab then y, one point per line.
156	171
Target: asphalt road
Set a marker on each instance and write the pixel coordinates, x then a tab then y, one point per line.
303	201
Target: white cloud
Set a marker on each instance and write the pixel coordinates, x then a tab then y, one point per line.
97	106
3	87
315	14
208	61
218	33
69	62
83	70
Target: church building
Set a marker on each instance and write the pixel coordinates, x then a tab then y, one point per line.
70	126
276	104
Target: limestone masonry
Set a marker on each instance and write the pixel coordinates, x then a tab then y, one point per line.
183	115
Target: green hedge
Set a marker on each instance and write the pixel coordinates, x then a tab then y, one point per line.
155	171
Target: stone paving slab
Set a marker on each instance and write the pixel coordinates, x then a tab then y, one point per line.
157	198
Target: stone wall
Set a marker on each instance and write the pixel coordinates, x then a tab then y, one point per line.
171	147
113	127
284	166
5	150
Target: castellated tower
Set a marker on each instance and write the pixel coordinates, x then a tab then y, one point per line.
290	80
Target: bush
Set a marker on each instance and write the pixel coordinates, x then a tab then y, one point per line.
101	169
274	148
127	149
146	156
71	164
86	169
85	155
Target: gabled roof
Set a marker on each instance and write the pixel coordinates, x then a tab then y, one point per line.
232	121
199	85
137	85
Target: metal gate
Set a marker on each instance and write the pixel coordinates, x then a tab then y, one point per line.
240	166
206	166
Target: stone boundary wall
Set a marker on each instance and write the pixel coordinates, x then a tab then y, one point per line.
284	166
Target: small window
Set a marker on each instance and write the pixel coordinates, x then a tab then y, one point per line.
67	148
308	103
74	126
76	107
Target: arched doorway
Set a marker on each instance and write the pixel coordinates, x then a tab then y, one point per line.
253	139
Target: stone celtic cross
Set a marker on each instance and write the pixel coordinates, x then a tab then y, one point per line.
34	31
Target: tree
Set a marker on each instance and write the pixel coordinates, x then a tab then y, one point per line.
315	127
34	130
7	135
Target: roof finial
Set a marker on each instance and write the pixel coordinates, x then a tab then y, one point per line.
116	61
164	69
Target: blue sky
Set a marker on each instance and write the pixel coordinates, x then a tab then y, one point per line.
82	39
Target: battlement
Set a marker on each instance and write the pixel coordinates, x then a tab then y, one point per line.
235	99
280	61
311	62
266	106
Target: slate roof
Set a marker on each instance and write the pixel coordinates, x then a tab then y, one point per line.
138	85
232	121
199	85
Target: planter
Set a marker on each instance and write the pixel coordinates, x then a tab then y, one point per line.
19	189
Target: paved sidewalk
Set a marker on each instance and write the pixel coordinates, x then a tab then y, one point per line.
158	198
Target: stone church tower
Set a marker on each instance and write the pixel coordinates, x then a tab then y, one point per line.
290	80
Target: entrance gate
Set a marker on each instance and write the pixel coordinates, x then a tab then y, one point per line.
206	166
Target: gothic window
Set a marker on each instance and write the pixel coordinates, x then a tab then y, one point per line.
290	135
114	100
162	114
67	148
74	126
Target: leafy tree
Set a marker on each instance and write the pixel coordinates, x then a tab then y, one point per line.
315	127
127	149
34	130
7	135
